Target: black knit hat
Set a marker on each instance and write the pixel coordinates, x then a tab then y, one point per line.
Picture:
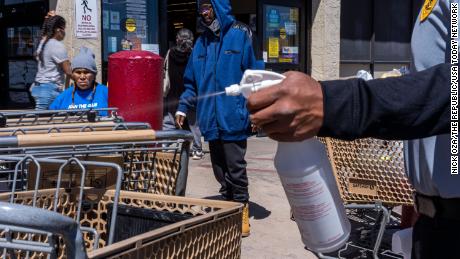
202	2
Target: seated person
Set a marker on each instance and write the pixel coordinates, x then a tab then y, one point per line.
86	93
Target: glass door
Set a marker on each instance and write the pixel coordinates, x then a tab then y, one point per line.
20	27
281	28
129	25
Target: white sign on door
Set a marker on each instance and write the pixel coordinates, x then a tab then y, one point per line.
86	19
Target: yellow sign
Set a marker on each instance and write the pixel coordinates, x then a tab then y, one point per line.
283	33
130	25
427	8
273	48
285	60
294	14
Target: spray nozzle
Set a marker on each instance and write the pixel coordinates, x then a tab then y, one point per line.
253	81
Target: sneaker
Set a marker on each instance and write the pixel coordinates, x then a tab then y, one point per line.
197	155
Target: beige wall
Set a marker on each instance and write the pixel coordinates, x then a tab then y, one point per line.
66	8
325	39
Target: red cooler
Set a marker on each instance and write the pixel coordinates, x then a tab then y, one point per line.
135	86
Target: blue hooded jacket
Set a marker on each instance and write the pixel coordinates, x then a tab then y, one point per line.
215	63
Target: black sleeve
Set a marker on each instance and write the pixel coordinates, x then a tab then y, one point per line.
408	107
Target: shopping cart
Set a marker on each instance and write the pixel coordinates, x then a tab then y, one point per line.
371	179
72	127
152	161
110	221
46	117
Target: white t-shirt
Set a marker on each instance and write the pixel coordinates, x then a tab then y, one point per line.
49	71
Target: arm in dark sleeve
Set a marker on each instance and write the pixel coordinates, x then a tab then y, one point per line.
408	107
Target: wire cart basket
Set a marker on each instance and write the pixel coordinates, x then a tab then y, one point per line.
78	221
46	117
152	161
371	180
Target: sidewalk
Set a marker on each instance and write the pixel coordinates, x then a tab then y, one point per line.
273	234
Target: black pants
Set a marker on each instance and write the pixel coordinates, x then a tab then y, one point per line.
434	238
229	168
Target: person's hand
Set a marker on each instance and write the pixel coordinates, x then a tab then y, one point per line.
290	111
179	121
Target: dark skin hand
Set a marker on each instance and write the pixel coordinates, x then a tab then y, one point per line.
290	111
179	121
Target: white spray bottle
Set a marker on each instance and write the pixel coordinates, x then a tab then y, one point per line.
306	175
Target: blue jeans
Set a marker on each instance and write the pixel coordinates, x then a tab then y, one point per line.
44	94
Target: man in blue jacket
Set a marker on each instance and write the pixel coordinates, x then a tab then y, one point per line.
219	59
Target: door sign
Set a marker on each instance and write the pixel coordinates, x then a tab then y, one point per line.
86	19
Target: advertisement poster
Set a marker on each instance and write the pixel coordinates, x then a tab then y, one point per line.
291	28
281	35
112	44
273	17
273	48
86	19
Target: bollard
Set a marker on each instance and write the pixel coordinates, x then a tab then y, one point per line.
135	79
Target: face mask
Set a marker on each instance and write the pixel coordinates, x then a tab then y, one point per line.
184	45
214	27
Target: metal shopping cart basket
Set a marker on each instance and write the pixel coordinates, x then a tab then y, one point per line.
72	127
83	222
371	179
46	117
152	161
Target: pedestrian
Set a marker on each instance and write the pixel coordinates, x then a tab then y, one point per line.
53	63
85	93
220	56
410	107
174	67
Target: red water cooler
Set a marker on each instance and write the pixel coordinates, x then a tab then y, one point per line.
135	86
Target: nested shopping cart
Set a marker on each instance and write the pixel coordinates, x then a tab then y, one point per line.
79	221
152	161
371	179
46	117
72	127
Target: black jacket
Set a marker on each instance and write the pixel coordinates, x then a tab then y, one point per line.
408	107
177	63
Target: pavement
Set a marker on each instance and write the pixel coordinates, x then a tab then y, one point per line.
273	234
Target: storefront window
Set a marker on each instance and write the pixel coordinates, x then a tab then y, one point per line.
12	2
281	34
129	25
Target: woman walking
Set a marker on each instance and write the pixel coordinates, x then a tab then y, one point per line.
53	63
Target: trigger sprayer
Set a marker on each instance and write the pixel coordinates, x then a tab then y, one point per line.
253	81
306	175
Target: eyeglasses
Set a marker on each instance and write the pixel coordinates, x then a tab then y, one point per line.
205	9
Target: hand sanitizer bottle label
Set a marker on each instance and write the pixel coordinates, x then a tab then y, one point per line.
314	208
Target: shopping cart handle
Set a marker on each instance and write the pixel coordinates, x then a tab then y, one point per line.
44	220
75	138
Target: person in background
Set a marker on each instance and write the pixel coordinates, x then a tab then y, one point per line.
86	93
219	58
53	63
174	67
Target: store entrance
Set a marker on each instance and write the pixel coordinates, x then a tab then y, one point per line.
20	26
181	14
